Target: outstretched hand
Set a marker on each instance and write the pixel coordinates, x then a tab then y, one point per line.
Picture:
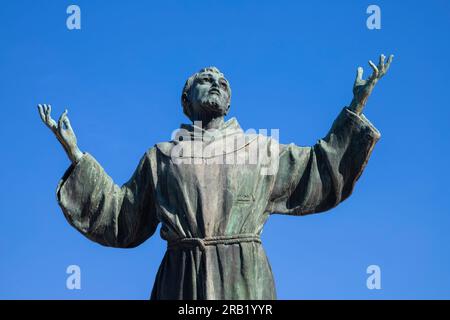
62	130
363	88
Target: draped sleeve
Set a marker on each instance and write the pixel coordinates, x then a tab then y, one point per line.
111	215
317	178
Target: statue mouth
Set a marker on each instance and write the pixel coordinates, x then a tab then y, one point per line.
214	91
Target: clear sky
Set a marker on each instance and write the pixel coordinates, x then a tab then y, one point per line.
291	66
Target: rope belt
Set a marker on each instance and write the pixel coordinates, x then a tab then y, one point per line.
202	243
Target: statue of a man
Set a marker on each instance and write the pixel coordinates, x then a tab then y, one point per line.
212	212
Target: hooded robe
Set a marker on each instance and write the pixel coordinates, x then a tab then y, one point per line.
213	204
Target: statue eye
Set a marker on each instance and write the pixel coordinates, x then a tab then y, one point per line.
223	84
203	80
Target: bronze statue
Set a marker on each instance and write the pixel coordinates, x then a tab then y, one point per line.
213	205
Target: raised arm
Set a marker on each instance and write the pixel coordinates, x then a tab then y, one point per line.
109	214
315	179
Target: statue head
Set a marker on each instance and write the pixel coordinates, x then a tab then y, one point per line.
206	95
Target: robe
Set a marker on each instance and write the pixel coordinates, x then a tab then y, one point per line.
212	212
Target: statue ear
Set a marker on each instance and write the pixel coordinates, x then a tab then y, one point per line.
184	97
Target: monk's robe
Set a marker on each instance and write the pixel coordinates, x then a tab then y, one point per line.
212	212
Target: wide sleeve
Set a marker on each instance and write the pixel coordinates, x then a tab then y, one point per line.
315	179
105	212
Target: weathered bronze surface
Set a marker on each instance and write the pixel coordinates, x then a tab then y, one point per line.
212	204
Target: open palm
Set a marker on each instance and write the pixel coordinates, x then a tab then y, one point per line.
363	88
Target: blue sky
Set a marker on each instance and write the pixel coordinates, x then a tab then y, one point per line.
291	65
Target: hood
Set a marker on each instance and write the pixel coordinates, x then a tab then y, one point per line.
192	141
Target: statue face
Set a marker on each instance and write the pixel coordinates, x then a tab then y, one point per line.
209	95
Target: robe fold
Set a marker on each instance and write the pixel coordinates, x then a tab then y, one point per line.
213	205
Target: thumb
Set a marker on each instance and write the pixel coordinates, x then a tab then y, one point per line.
61	122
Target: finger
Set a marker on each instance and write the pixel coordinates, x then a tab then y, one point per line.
45	112
359	74
381	62
66	122
41	112
48	113
391	57
374	67
61	121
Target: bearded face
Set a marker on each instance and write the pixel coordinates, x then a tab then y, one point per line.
209	96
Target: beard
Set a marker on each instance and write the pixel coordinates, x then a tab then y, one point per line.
212	106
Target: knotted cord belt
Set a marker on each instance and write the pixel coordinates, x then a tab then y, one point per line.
202	243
